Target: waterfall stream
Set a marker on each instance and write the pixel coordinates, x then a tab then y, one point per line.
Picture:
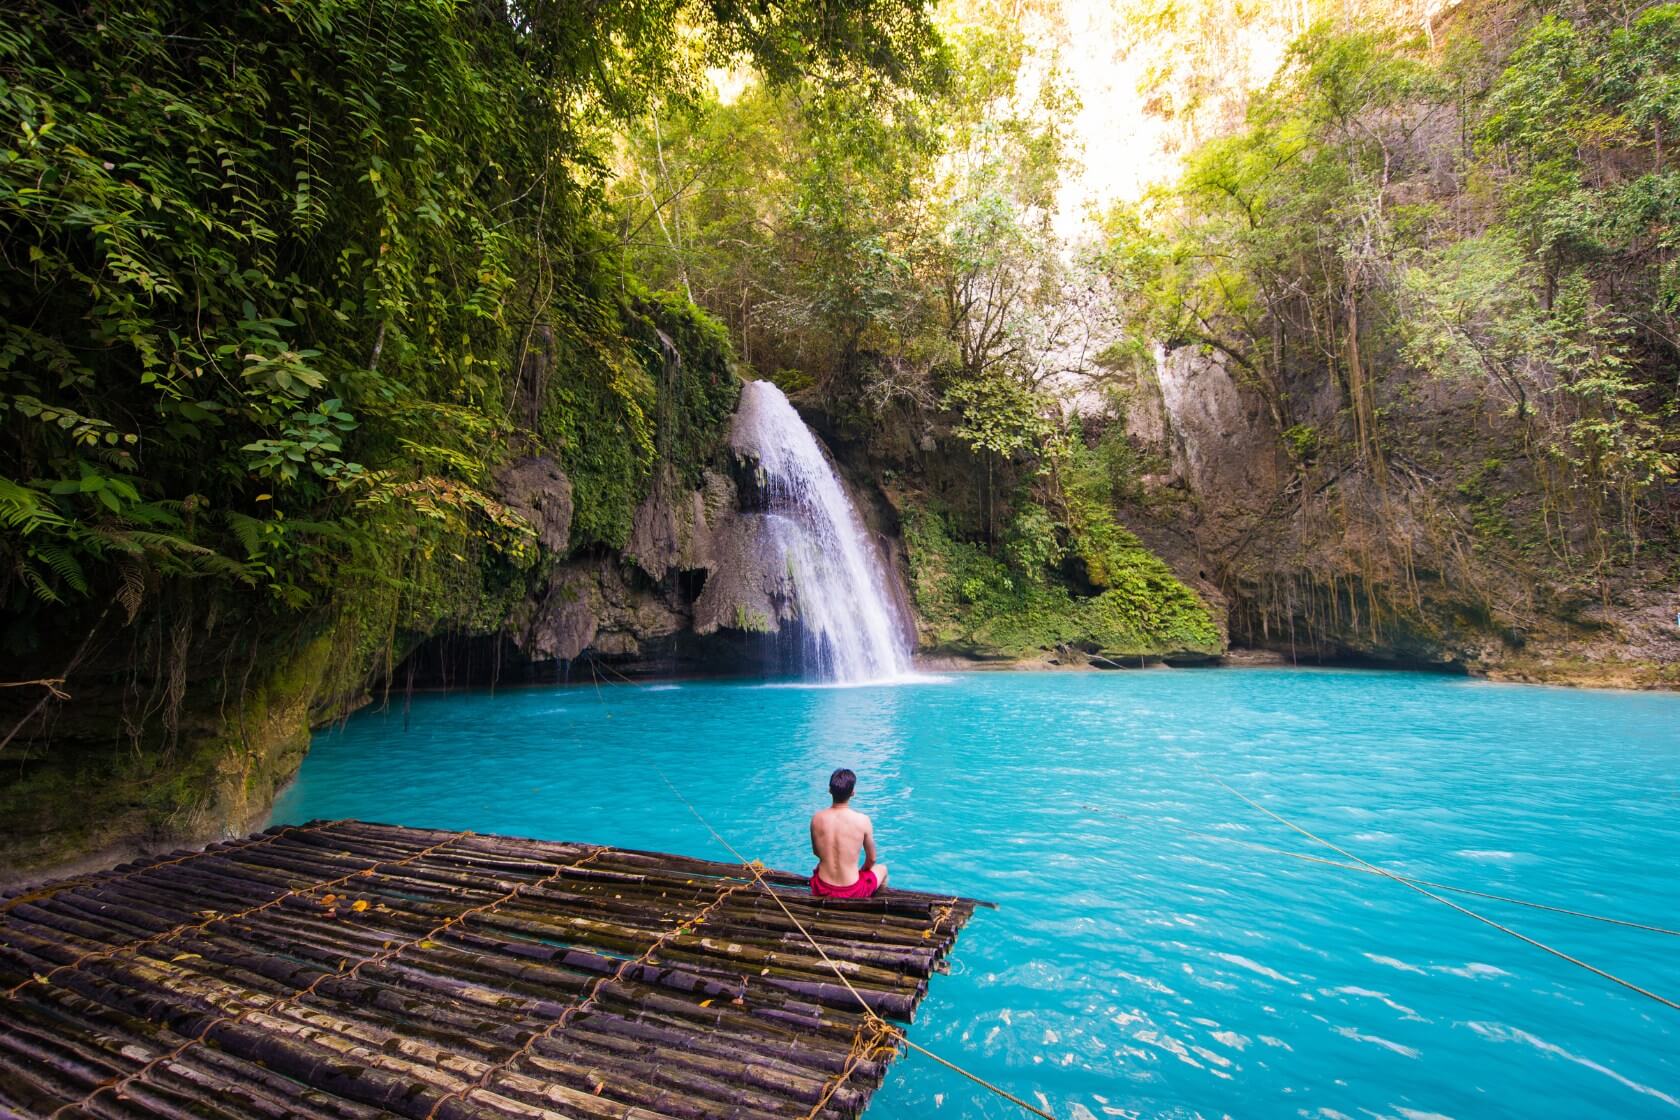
852	628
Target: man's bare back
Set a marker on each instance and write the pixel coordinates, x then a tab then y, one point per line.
838	834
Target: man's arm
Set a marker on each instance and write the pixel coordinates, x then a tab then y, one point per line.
868	843
814	849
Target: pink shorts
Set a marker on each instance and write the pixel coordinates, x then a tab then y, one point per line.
863	888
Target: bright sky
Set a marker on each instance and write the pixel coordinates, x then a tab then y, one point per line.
1125	150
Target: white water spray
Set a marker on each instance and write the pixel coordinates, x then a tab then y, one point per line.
853	630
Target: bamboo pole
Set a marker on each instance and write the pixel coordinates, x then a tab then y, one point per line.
347	971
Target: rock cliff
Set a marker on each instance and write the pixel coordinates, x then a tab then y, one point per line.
1441	559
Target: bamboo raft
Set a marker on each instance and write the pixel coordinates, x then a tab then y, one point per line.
356	971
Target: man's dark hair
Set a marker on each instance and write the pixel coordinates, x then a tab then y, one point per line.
840	785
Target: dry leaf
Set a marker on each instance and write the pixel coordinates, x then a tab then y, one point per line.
705	1003
328	899
186	957
359	905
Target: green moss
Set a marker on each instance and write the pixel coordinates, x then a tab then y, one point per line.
1489	499
750	621
972	603
662	394
697	386
78	796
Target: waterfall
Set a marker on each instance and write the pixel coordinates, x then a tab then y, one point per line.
852	630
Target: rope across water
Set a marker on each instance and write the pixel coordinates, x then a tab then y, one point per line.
1412	884
1453	887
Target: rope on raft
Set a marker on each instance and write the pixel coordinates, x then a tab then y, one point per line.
571	1012
1410	884
116	1085
184	927
872	1019
880	1026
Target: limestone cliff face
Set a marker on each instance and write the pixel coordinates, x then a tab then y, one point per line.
1429	557
1215	433
686	575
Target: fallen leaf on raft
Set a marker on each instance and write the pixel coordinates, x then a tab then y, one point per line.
705	1003
428	944
359	905
328	899
186	957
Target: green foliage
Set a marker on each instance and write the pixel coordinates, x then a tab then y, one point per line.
664	395
777	212
1032	545
997	414
1505	225
888	252
972	603
690	356
1302	442
1069	574
1612	435
277	275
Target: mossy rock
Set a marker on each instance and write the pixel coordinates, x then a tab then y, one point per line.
971	604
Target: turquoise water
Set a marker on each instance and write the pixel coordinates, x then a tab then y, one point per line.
1143	963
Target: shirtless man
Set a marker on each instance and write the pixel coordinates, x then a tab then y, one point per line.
837	833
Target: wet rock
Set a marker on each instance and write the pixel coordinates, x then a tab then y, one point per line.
749	589
672	529
539	491
562	624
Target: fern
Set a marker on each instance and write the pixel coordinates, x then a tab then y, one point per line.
41	588
131	590
28	511
247	530
167	543
63	564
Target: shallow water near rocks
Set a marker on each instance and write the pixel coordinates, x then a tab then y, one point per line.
1145	962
